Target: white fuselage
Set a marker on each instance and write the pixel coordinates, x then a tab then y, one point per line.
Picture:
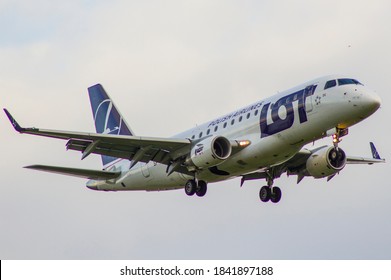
277	127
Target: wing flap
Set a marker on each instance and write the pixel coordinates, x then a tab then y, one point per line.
82	173
120	151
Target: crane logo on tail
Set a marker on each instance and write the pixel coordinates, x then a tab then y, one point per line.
107	118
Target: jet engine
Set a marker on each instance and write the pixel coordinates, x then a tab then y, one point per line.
326	161
210	152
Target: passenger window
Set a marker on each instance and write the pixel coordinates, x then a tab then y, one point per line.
207	132
256	112
217	127
240	118
193	137
330	84
200	135
225	125
232	122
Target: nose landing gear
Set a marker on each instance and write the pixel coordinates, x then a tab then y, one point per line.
340	132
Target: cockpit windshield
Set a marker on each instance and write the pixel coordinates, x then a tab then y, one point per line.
341	82
348	82
330	84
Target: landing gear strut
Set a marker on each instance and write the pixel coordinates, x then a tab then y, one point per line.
340	132
196	187
270	193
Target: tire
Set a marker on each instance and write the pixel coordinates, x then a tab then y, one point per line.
201	188
190	187
276	195
265	194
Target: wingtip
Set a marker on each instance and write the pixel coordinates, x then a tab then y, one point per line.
6	112
14	123
374	151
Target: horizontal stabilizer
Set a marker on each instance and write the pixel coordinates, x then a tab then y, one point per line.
83	173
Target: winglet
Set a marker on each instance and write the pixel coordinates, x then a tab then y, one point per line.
14	123
375	154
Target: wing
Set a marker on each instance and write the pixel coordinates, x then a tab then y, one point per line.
292	166
362	160
297	165
144	149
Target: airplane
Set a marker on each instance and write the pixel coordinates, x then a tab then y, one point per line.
260	141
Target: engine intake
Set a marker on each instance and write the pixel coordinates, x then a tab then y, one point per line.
210	152
326	162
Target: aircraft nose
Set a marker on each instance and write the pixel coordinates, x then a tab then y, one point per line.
377	101
371	101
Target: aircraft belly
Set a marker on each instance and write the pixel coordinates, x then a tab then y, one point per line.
270	151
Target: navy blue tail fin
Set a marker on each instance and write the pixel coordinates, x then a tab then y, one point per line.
107	118
375	154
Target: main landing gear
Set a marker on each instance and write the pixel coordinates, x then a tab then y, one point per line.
273	194
197	187
270	193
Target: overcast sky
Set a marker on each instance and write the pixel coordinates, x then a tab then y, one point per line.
170	65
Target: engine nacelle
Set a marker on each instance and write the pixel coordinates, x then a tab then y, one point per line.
210	152
326	162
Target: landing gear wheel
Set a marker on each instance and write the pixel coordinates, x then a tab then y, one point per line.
265	194
276	195
190	187
201	188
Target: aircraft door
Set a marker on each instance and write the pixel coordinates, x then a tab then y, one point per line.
308	104
308	93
